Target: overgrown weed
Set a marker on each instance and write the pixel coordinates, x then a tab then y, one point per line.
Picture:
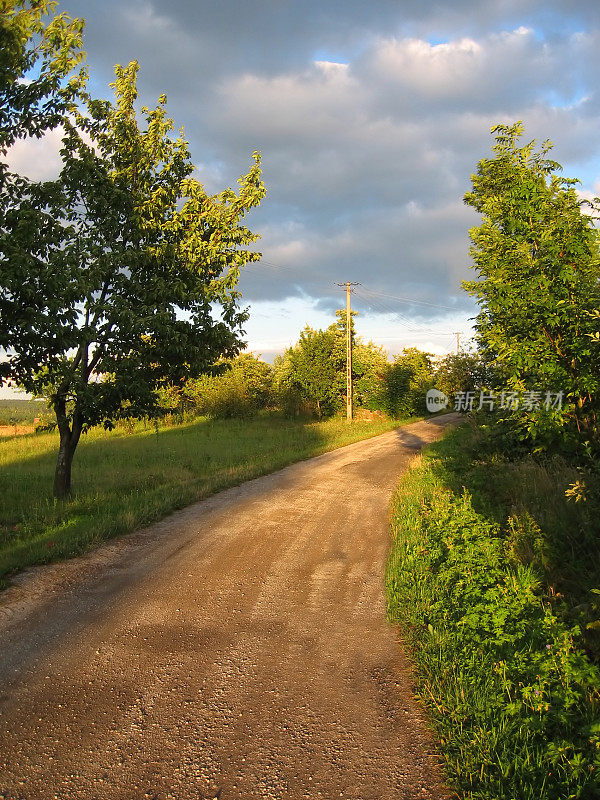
491	575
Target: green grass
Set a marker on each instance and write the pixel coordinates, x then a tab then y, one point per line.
482	578
134	476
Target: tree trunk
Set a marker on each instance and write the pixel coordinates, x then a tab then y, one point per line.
69	437
62	473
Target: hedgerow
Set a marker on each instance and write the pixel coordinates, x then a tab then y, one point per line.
513	696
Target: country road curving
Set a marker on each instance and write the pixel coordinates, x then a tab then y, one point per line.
238	649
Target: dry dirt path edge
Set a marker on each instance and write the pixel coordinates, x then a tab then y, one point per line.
237	649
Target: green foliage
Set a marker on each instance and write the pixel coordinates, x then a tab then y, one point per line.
543	523
338	331
526	544
405	383
311	376
241	389
285	394
499	650
369	368
34	94
538	261
369	365
111	275
313	369
461	372
22	412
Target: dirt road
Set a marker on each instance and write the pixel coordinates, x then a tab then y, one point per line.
238	650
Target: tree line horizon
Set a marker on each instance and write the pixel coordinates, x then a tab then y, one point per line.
124	267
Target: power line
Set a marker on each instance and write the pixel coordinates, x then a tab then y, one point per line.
379	306
373	299
304	278
372	292
387	309
398	338
375	293
404	321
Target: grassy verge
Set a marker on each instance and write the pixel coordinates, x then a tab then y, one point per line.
133	476
490	576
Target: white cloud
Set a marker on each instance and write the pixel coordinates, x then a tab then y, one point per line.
371	118
331	66
433	70
403	122
37	159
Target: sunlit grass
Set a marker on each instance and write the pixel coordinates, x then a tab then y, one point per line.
130	477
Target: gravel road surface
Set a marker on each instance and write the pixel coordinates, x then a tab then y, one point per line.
236	650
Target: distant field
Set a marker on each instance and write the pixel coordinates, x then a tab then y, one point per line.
15	430
22	412
128	478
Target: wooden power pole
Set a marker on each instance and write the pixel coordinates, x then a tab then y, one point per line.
349	388
348	355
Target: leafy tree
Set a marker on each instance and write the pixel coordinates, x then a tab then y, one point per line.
538	262
461	372
313	369
34	95
338	331
406	382
117	295
369	363
242	387
369	367
287	395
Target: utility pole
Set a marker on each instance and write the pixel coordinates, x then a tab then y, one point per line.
348	355
457	342
349	388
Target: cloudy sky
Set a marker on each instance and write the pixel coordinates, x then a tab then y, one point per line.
370	117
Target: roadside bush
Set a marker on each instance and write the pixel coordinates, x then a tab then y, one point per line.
220	397
241	388
500	663
461	372
405	383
